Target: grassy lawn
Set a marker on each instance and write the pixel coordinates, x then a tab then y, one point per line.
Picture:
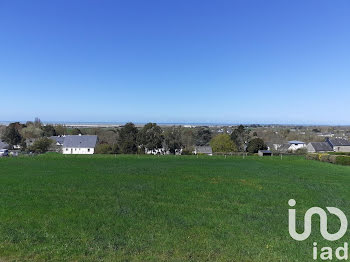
130	208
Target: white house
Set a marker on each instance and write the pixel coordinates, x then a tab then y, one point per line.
295	145
291	146
81	144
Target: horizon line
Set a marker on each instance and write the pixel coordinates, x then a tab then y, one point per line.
97	123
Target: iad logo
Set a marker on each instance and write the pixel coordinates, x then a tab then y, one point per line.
323	222
326	253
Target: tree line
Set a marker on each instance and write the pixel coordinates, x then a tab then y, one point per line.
130	139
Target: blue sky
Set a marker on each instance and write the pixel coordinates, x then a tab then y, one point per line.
247	61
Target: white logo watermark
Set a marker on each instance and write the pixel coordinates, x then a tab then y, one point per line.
326	253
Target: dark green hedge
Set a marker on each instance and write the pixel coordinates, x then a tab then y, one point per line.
340	153
330	158
312	156
343	160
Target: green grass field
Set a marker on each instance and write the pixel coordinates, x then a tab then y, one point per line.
147	208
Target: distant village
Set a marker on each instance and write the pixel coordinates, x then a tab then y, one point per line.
35	137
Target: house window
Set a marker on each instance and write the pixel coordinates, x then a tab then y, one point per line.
88	149
66	149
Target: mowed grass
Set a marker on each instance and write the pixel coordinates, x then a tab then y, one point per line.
148	208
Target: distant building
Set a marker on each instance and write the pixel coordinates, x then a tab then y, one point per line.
178	152
58	140
81	144
319	147
156	151
291	146
273	146
326	135
30	141
284	148
4	152
338	144
203	150
295	145
3	145
264	153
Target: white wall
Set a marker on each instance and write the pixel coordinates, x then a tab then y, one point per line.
310	148
157	151
78	151
341	148
295	147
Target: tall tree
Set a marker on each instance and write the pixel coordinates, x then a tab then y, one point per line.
255	145
41	145
127	139
188	137
60	130
48	130
203	136
76	131
31	131
12	134
172	139
240	136
222	143
151	136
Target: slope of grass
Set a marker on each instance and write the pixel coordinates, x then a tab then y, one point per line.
146	208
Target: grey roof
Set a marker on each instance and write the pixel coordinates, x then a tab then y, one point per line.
321	146
338	142
265	151
3	145
284	148
204	150
80	141
58	139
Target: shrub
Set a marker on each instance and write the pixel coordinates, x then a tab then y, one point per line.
330	158
321	155
255	145
187	151
103	149
301	151
324	158
340	153
141	150
223	143
41	145
342	160
312	156
115	149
